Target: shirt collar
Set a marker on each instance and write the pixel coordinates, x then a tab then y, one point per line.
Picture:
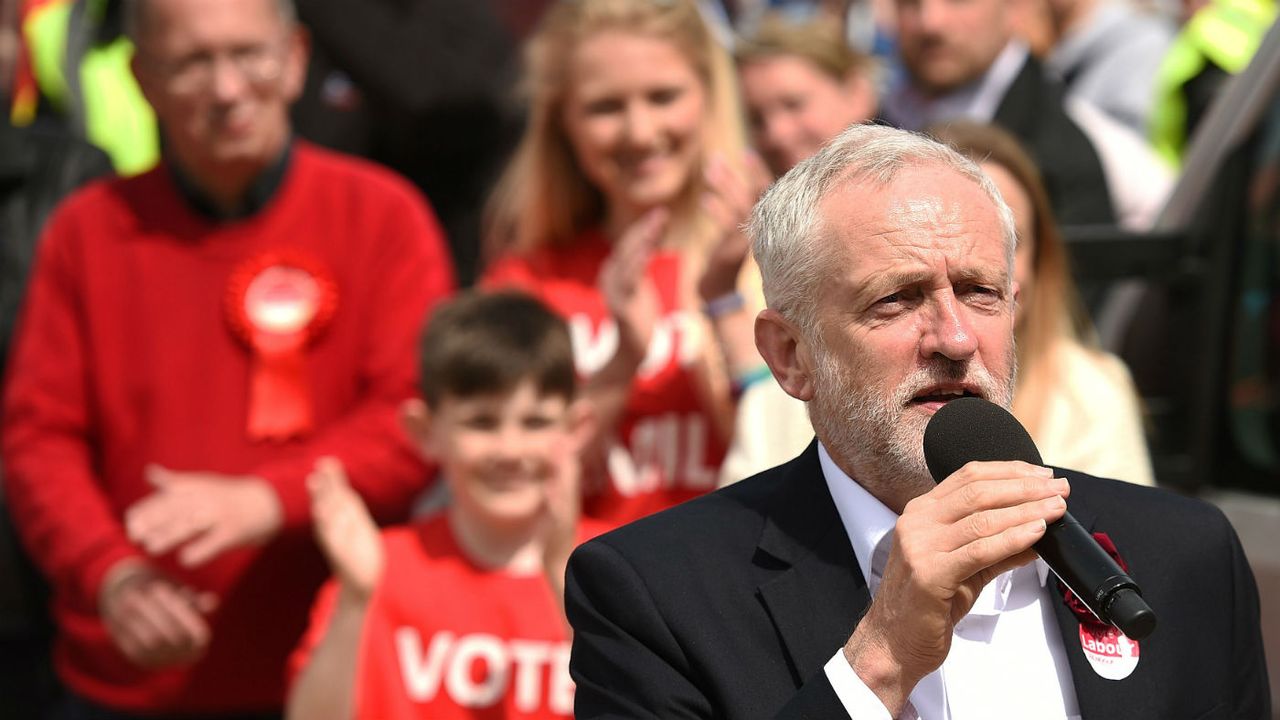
910	109
868	522
256	196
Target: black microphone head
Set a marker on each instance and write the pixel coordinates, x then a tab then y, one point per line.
970	428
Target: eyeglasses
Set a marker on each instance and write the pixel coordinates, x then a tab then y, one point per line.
195	74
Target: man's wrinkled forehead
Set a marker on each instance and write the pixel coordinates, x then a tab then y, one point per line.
930	207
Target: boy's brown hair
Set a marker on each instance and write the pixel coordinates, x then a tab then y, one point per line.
484	343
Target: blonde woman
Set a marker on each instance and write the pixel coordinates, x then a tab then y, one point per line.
1078	402
803	85
621	211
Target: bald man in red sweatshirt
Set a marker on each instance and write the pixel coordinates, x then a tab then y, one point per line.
193	339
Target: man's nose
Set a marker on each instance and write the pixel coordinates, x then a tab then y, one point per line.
948	331
228	79
934	16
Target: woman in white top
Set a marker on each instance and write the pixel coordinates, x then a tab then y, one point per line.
1077	401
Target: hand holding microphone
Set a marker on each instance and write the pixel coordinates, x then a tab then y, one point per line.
948	544
970	429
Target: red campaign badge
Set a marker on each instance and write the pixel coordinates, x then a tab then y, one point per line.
278	304
1111	655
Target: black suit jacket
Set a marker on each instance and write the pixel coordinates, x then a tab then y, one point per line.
729	605
1033	110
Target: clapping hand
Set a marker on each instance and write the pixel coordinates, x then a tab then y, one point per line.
154	621
203	513
624	282
344	529
728	200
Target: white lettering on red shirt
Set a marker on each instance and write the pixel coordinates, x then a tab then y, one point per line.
478	670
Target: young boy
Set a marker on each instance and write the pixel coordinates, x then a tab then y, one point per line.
459	615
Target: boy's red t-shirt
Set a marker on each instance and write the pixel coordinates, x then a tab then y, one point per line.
446	639
669	448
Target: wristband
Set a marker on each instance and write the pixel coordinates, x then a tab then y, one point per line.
723	305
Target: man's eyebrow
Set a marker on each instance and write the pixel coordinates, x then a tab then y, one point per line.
985	276
894	279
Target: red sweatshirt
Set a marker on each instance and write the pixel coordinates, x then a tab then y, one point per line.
125	357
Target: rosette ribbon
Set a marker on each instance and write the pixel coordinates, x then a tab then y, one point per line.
278	304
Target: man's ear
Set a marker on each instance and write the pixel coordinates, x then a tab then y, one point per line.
415	420
143	78
786	352
297	54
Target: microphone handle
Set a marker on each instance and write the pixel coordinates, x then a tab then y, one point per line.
1095	578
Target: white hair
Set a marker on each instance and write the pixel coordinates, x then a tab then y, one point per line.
786	225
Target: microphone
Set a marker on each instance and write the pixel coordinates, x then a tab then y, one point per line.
971	428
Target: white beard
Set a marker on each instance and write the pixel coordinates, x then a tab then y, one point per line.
879	433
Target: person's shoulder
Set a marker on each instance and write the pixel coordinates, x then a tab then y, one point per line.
1153	509
104	205
1090	371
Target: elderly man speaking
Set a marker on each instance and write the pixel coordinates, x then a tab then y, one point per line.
846	583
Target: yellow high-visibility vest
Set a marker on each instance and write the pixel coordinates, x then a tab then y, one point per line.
105	103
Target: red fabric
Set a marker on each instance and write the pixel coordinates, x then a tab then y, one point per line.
124	357
445	639
1082	612
672	450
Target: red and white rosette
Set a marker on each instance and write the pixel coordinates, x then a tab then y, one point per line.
278	303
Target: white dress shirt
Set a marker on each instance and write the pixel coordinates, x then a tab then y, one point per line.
1007	658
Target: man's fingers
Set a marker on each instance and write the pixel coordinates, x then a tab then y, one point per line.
201	601
145	617
985	576
994	470
205	548
157	475
986	523
163	538
187	626
992	551
992	494
155	626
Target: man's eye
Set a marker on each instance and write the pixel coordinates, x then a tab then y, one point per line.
890	299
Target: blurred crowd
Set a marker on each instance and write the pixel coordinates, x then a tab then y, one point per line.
224	225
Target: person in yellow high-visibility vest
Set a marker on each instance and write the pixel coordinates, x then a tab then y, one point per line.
80	60
1218	41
